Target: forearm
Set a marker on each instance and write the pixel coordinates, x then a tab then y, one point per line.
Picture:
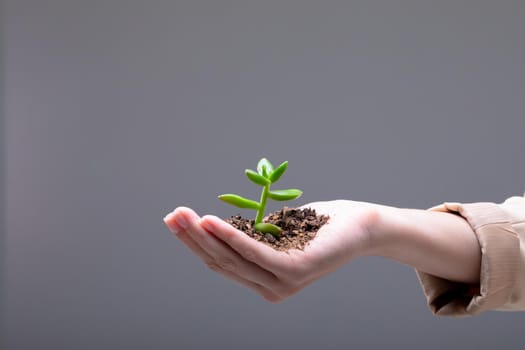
441	244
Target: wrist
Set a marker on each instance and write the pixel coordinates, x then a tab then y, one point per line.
380	231
441	244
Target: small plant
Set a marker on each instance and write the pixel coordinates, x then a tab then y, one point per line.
265	176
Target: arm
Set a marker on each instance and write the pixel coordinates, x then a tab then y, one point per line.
468	257
440	244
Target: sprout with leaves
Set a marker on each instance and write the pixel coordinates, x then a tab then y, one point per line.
265	176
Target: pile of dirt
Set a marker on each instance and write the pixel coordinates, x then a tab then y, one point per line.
299	227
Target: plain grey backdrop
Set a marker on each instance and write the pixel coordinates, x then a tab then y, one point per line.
2	179
117	111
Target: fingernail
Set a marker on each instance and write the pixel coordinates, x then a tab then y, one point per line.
182	221
174	229
168	217
172	226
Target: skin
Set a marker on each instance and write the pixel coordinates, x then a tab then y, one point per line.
441	244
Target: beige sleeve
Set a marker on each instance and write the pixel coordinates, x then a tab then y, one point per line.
500	230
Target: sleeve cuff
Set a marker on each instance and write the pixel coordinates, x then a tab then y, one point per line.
500	249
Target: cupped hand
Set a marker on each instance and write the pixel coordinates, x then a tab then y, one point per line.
273	274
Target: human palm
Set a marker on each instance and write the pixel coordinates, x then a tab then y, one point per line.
273	274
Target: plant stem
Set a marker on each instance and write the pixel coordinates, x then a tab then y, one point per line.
262	204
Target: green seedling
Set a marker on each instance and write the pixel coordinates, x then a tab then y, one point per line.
265	176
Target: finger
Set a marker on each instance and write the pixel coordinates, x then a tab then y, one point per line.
182	234
259	289
223	256
210	262
171	223
262	255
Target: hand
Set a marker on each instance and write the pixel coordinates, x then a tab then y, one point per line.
276	275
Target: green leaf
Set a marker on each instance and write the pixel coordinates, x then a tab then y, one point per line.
285	195
239	201
268	228
256	178
278	172
264	167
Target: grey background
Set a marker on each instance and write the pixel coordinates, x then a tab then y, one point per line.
2	180
118	111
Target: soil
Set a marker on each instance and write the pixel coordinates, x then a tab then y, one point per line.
299	227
